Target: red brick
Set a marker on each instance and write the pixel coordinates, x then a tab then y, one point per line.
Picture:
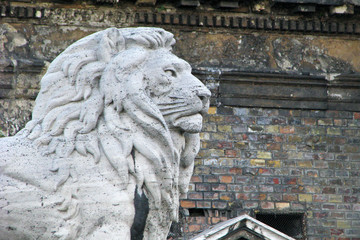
298	189
224	145
278	138
226	196
245	137
203	204
265	171
325	121
328	206
329	190
235	170
273	146
218	187
297	206
194	228
276	180
250	188
226	179
231	153
278	121
243	196
215	220
223	219
267	205
321	198
199	220
336	232
290	181
219	205
320	214
196	179
290	197
195	195
211	195
242	179
187	204
350	199
219	170
211	178
234	187
312	173
357	115
233	119
203	187
344	206
287	129
251	205
337	215
309	121
258	196
266	188
339	122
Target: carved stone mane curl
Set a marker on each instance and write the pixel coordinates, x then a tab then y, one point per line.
82	97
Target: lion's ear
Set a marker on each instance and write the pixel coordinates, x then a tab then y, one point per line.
111	43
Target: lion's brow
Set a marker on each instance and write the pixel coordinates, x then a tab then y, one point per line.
181	66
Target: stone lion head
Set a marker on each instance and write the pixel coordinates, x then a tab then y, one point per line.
121	96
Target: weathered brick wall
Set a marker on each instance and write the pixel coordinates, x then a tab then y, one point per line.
252	160
279	161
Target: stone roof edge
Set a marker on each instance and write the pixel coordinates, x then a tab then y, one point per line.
203	20
251	223
267	23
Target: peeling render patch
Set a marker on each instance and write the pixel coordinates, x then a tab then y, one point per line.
331	76
302	56
335	95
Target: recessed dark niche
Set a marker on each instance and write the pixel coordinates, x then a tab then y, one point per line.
291	224
196	212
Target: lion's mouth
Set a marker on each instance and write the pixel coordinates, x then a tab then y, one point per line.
191	123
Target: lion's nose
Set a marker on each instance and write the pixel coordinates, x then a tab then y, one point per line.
201	91
204	95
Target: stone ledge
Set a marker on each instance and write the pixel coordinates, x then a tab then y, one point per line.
21	12
22	65
249	22
214	19
277	90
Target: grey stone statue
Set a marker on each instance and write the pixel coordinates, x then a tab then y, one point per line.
111	143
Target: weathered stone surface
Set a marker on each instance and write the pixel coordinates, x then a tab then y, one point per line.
111	144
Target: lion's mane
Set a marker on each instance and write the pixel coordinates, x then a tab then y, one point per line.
92	101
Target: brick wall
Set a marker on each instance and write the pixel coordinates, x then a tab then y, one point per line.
255	160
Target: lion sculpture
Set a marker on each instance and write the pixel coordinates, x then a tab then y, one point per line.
111	144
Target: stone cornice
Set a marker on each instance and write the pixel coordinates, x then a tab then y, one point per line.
254	89
21	12
281	90
262	22
217	19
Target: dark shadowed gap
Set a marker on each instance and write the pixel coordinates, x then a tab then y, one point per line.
292	224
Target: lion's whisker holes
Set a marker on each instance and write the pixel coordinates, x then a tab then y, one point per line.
152	95
169	107
170	103
176	97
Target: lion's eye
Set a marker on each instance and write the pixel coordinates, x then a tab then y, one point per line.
170	72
